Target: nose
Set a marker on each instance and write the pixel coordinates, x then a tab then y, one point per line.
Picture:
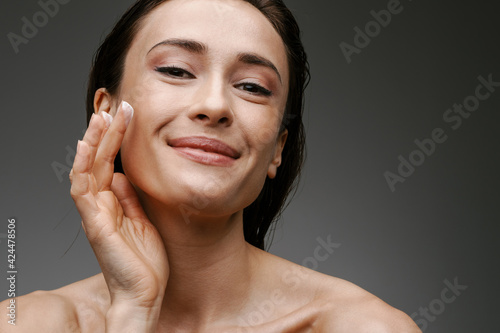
211	105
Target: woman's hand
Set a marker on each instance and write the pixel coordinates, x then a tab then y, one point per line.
128	247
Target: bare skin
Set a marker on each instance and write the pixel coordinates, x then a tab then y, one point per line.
169	235
296	299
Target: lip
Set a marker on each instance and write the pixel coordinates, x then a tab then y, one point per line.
205	150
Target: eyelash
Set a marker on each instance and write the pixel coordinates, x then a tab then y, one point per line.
260	90
169	69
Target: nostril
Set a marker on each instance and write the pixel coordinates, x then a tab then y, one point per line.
206	118
223	120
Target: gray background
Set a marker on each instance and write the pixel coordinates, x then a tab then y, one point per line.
441	223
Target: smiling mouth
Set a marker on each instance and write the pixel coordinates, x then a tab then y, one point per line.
205	150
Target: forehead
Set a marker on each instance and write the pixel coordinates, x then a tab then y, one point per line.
227	27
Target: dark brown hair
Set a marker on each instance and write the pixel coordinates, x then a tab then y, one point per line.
107	71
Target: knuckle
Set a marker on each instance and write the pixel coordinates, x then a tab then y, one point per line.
109	159
104	160
73	192
121	129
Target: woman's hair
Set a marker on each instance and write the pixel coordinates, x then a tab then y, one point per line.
107	72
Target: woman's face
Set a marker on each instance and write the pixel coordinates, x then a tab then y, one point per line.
208	80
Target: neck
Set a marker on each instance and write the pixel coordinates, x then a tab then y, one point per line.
211	265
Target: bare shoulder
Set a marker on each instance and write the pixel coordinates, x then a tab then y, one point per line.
70	309
350	308
39	311
336	305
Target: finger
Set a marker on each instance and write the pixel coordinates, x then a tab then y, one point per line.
93	136
108	119
92	132
81	187
126	195
110	145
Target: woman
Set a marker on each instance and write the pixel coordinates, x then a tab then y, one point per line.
202	99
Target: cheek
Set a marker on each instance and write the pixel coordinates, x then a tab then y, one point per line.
141	146
136	88
133	152
263	132
144	96
266	138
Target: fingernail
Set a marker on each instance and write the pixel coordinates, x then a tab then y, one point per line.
128	111
107	117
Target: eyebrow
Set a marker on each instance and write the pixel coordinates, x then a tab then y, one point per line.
200	48
253	59
187	44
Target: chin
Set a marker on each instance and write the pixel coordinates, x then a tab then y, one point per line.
179	183
192	192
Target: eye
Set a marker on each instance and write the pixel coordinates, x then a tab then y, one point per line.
175	72
254	89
